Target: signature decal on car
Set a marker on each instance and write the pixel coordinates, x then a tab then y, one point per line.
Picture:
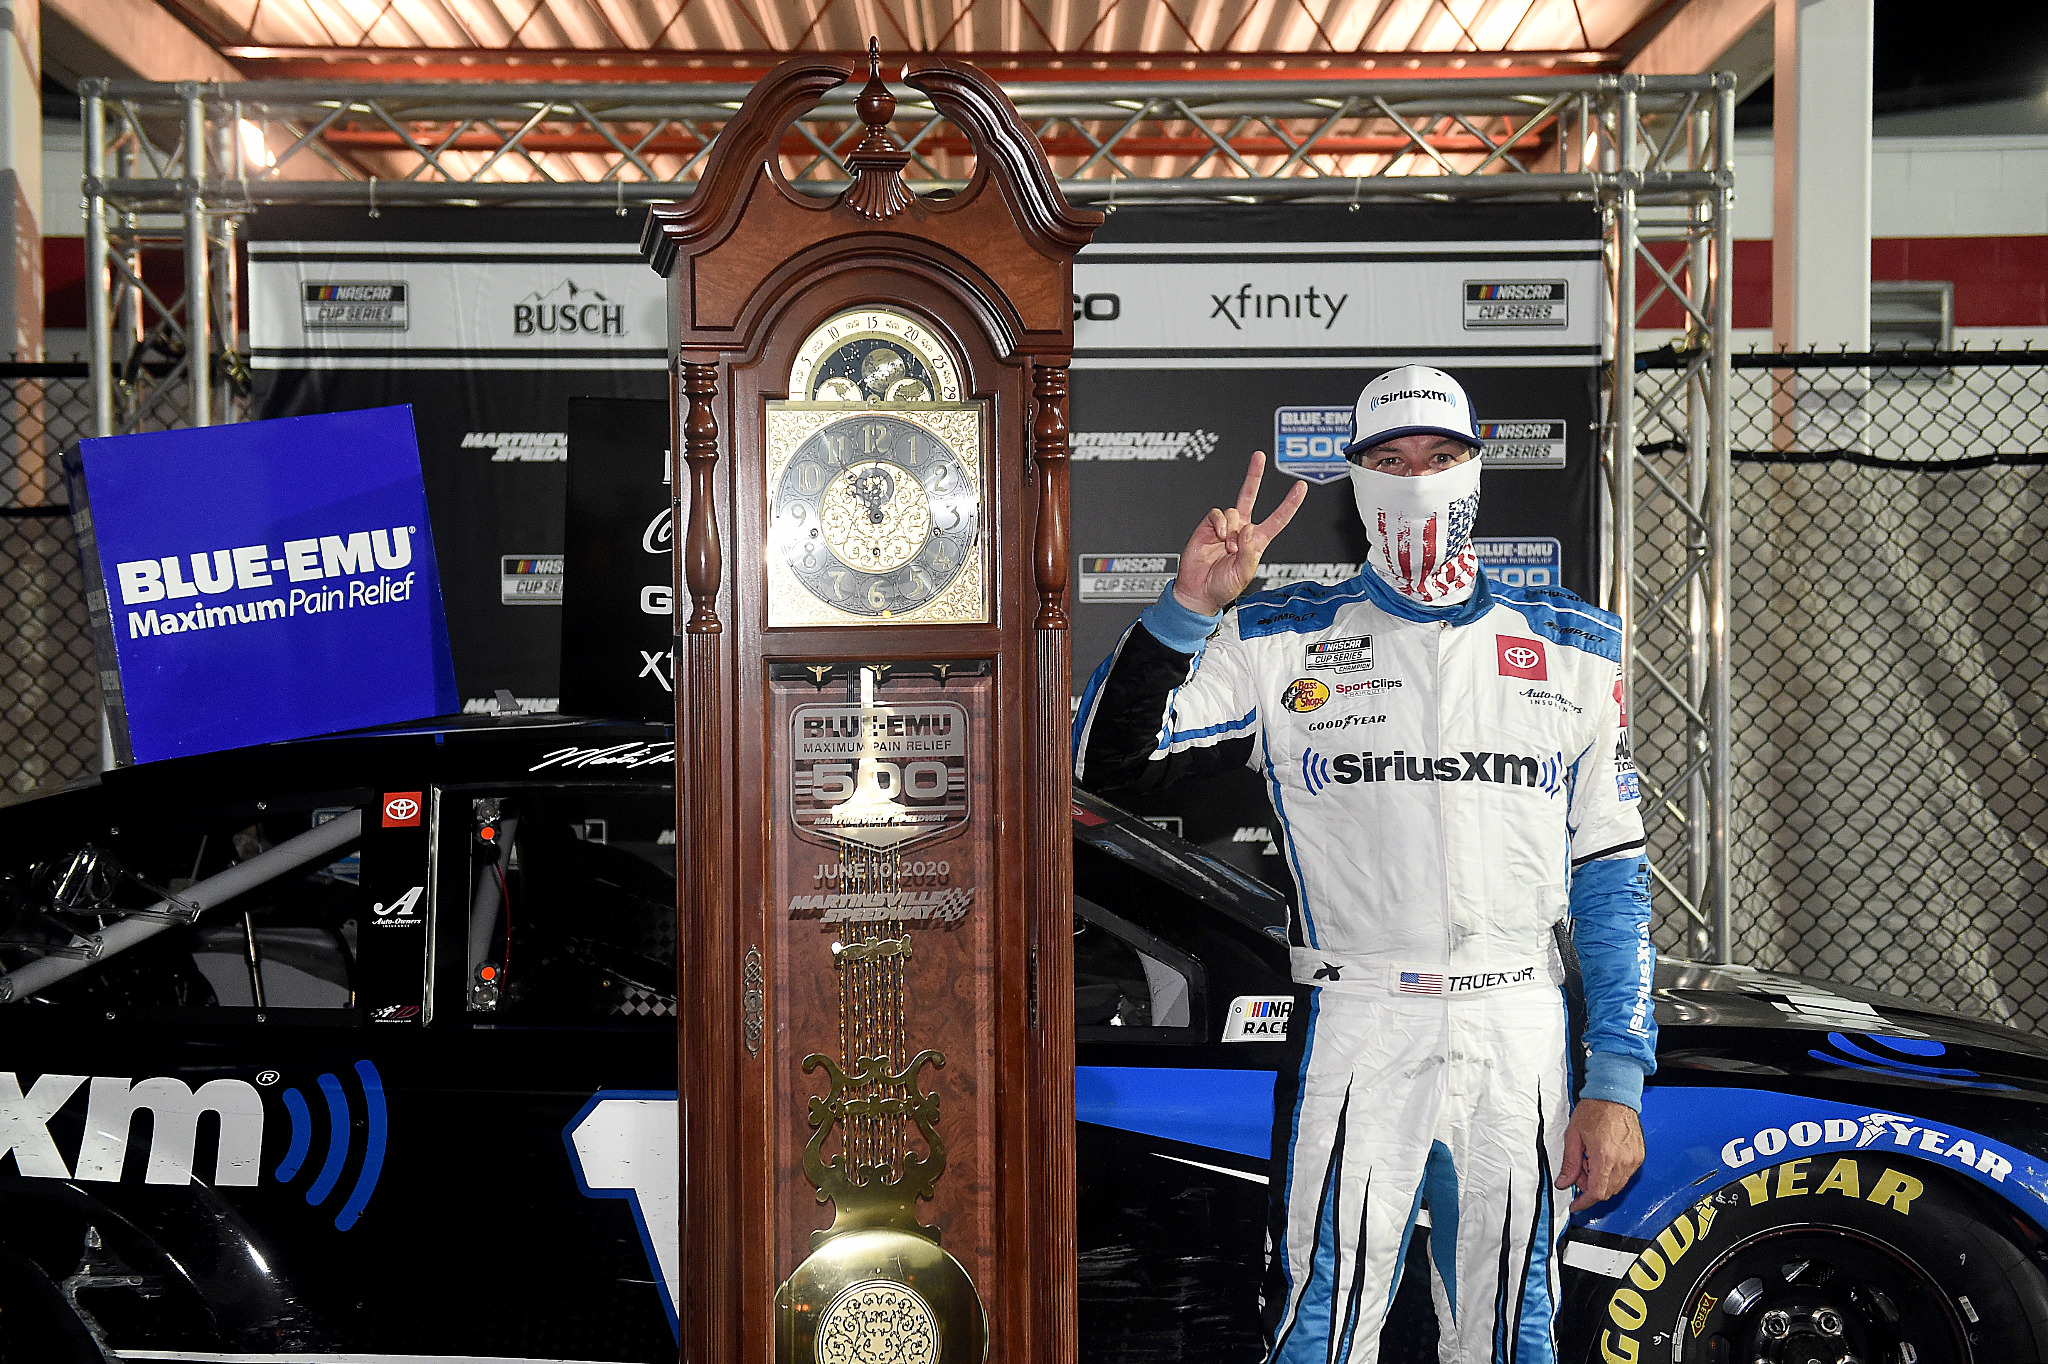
632	756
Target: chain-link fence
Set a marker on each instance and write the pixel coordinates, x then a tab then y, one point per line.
49	696
1889	820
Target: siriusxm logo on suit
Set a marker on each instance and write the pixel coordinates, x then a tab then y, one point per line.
308	536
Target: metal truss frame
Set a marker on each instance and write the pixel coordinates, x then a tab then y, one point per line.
179	168
1675	605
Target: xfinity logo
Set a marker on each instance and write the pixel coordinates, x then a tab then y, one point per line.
1244	305
568	311
111	1104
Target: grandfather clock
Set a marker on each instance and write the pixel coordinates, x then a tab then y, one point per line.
876	1031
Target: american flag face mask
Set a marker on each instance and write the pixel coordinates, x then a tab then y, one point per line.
1420	530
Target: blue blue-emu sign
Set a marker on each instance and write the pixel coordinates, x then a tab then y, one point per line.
262	581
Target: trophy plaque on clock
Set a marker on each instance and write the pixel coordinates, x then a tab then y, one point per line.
875	1041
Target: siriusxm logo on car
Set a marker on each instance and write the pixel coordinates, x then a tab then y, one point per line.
111	1105
309	535
1319	772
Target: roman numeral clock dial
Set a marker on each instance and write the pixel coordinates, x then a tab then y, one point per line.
875	480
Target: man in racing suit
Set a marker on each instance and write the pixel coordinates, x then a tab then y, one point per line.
1448	760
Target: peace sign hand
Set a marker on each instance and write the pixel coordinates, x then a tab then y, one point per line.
1222	556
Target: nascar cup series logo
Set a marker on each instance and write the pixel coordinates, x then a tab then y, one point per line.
358	306
1494	304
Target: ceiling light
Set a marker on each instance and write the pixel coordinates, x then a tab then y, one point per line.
254	149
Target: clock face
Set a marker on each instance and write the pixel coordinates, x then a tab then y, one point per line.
873	355
877	515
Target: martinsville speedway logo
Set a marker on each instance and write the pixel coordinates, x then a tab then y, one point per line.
1279	575
111	1104
946	906
520	447
316	559
1128	447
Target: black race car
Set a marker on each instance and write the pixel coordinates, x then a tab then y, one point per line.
399	1009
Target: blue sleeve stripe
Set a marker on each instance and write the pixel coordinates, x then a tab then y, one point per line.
1308	918
1175	738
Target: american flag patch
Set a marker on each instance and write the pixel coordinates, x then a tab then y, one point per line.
1420	983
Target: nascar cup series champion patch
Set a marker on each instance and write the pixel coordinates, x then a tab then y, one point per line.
261	581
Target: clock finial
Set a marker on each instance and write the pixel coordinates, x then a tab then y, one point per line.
877	163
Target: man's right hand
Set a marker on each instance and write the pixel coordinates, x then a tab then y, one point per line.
1222	556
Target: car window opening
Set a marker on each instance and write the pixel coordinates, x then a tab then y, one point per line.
571	915
231	914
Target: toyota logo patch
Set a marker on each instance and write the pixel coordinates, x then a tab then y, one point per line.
402	810
1522	658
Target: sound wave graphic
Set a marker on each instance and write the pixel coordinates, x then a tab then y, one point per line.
340	1131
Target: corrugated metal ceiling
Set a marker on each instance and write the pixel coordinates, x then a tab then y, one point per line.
1118	39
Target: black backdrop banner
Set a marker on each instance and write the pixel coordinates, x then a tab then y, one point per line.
488	323
1201	334
616	631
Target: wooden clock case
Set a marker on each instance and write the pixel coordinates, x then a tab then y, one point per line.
753	267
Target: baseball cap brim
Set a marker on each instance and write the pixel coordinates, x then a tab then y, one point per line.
1382	437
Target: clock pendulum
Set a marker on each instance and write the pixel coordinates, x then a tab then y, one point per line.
877	1288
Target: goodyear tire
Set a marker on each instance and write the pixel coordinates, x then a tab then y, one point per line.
1829	1258
36	1325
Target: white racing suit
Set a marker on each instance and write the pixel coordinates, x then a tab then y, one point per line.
1452	784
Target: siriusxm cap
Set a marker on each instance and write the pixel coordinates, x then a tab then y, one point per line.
1413	400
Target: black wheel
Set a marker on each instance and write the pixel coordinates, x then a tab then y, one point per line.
1833	1259
36	1325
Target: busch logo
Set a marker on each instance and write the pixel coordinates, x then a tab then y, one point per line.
568	311
111	1104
